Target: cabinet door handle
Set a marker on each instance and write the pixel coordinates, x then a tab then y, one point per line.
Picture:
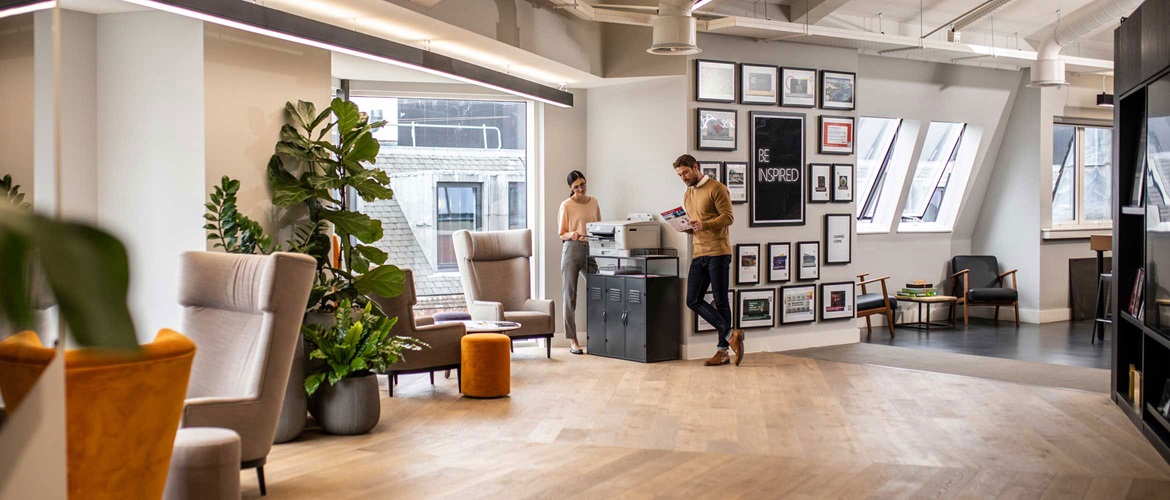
604	316
625	316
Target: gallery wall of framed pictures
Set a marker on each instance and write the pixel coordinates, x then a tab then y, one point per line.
778	255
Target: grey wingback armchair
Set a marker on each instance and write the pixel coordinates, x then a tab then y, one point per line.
495	268
244	314
444	340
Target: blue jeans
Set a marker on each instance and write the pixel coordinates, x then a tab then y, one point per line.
711	272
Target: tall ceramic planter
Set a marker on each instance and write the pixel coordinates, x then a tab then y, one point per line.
349	407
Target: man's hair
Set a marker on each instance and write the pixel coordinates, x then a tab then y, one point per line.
686	161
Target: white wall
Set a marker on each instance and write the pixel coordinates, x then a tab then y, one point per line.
565	149
150	149
17	84
77	92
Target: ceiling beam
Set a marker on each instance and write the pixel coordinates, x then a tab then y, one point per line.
812	11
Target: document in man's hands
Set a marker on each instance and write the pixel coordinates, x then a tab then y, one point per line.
677	218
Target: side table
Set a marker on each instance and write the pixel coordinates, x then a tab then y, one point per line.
929	301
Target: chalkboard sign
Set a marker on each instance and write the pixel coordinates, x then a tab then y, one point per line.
777	177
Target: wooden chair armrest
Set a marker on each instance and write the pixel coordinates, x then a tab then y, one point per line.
862	276
875	280
1013	271
960	273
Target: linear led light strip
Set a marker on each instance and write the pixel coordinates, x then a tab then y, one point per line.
25	9
322	45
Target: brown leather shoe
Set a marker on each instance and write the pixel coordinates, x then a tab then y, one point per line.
737	345
720	358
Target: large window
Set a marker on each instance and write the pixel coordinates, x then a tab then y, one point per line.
457	207
936	166
875	140
1081	175
517	205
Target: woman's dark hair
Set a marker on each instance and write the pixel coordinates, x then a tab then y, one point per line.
573	176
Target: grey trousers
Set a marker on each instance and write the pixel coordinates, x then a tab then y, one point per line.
573	262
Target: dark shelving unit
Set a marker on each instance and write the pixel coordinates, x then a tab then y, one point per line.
1140	240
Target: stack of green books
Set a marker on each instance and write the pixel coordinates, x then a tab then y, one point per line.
918	290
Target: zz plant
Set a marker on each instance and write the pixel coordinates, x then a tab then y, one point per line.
353	347
231	230
320	157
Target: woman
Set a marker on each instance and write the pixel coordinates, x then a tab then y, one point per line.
575	212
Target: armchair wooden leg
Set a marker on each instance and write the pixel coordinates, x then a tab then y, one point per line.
890	320
548	346
390	384
997	314
260	478
432	378
965	308
447	374
868	327
1017	308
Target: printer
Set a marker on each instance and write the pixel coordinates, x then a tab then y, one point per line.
621	238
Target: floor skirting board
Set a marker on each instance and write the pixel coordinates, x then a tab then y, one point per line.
701	347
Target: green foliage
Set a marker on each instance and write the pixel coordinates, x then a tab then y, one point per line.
233	231
352	348
13	194
86	269
313	169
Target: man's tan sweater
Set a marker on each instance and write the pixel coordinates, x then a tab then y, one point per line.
710	203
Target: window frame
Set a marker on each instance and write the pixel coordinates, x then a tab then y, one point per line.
945	171
871	200
441	266
1079	166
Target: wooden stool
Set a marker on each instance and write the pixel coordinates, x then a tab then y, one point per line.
486	370
205	465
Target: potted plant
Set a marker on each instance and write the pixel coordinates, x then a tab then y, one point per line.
352	349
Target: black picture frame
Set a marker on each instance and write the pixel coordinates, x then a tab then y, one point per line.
740	295
788	262
848	235
782	307
813	186
699	69
705	166
777	197
699	121
743	82
850	310
738	263
825	149
732	301
801	274
836	183
736	189
790	102
837	104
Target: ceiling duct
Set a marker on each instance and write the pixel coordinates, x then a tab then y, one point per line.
1048	69
674	29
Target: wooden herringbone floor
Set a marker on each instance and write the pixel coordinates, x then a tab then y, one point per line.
778	426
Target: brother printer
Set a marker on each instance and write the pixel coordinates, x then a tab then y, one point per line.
622	238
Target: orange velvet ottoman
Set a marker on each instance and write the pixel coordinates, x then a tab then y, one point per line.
486	370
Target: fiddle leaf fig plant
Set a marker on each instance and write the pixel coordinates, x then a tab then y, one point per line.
12	193
233	231
320	157
353	347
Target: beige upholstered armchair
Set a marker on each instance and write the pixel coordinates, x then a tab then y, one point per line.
495	268
444	340
244	314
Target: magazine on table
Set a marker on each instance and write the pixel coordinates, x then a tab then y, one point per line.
677	218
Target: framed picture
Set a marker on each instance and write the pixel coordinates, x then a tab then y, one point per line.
838	90
779	262
820	183
842	183
716	129
835	134
809	255
736	182
838	238
757	84
701	325
712	169
798	87
747	264
714	81
776	180
837	300
798	304
757	308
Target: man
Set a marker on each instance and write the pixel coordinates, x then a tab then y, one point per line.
708	207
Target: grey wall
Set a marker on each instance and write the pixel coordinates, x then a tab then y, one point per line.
17	84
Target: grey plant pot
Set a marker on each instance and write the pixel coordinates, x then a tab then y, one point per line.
296	402
350	407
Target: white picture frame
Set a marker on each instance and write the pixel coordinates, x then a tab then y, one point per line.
838	238
820	183
735	177
838	90
779	262
712	169
838	300
758	84
842	183
798	304
757	308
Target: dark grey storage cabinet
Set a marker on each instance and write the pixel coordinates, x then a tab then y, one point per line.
634	317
